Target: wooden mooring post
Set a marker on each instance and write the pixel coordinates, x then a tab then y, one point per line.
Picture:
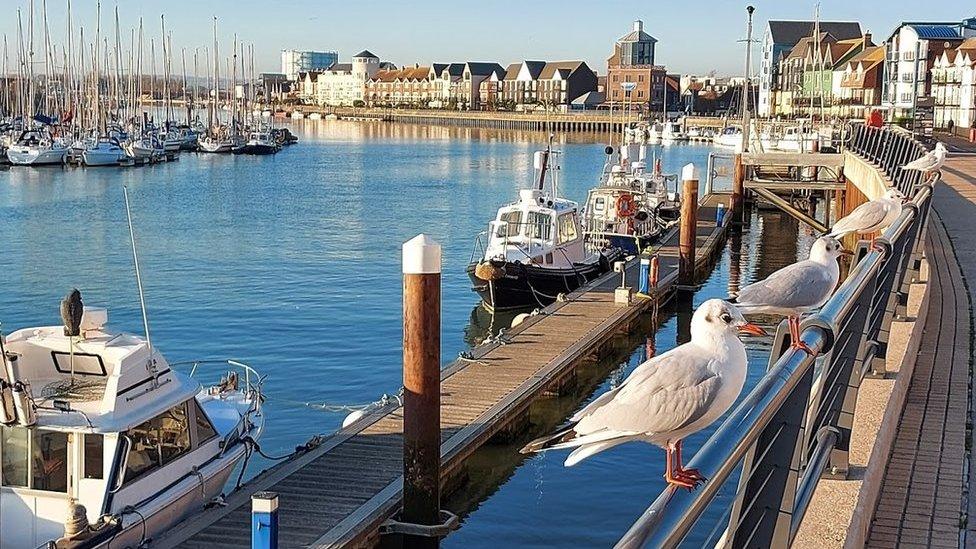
738	184
689	225
421	388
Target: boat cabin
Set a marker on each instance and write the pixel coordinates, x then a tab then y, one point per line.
537	229
99	419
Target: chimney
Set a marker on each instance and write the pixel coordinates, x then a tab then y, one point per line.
867	40
638	25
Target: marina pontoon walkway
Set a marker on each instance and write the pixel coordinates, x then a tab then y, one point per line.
338	493
925	498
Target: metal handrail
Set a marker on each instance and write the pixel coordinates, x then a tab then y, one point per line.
786	433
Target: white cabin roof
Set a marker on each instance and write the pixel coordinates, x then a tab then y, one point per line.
114	387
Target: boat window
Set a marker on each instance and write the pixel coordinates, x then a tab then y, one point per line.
539	226
599	204
510	224
204	430
47	465
94	456
567	228
157	442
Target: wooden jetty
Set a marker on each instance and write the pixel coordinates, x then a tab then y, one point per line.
340	492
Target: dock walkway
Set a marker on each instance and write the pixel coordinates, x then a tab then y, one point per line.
338	494
926	498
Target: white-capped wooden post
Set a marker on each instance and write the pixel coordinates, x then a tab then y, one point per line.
421	387
264	520
689	225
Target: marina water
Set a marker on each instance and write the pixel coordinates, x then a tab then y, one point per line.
291	263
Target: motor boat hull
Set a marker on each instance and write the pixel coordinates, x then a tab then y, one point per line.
35	156
103	156
259	148
522	286
216	146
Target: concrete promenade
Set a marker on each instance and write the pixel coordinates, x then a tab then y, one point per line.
925	498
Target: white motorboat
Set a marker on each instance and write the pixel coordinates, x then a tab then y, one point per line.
729	137
105	442
672	131
103	152
37	147
798	139
146	148
216	145
534	248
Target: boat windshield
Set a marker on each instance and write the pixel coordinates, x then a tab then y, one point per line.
509	223
539	225
567	228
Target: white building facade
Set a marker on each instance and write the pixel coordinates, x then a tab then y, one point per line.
344	85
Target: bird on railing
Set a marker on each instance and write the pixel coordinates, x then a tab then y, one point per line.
930	162
72	309
668	397
796	289
871	217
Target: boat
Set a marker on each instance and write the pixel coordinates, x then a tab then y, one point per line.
260	142
672	132
631	207
36	147
103	152
798	139
315	116
104	442
534	250
731	136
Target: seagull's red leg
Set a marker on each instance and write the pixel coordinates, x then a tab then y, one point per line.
694	475
671	476
795	343
875	246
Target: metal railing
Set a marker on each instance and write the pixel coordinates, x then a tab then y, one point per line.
795	426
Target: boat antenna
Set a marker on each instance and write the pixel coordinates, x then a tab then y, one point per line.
135	262
545	163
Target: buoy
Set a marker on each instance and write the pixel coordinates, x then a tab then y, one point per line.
353	418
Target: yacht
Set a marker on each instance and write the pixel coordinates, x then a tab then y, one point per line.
534	250
630	207
103	443
36	147
731	136
672	132
104	151
798	139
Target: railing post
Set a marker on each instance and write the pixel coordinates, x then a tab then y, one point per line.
689	225
421	387
763	508
264	520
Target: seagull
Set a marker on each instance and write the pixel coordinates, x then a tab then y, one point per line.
666	398
872	216
72	309
796	289
930	162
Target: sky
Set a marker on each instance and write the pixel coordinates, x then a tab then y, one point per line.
694	37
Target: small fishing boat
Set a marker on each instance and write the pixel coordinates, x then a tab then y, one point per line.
731	136
534	250
36	147
630	208
103	443
672	132
260	142
798	139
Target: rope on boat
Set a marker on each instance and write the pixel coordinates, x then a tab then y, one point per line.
339	408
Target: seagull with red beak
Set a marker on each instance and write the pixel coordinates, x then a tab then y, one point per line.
668	397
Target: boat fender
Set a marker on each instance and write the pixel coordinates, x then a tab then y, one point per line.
8	414
520	318
626	205
488	272
26	415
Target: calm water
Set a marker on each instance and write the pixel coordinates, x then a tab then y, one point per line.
291	263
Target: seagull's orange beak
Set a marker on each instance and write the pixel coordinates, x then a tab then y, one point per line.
752	329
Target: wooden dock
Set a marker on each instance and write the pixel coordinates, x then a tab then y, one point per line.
339	493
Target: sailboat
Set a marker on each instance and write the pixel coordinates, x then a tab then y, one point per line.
37	147
534	248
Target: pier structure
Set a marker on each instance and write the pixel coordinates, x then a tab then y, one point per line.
342	491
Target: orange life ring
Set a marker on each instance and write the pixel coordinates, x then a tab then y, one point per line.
626	205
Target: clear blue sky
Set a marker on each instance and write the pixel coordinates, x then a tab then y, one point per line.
695	36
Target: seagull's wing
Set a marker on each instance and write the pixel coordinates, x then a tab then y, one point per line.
863	218
665	393
798	286
924	163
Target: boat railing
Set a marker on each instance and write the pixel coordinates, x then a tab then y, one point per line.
795	426
253	381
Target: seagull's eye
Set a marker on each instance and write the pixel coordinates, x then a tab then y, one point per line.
726	318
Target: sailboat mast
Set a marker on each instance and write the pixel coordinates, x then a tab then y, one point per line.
186	98
745	81
216	71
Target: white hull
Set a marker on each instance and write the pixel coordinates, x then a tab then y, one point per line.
729	140
216	146
102	156
34	156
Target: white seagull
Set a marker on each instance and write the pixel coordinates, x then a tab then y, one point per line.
667	397
796	289
871	217
930	162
